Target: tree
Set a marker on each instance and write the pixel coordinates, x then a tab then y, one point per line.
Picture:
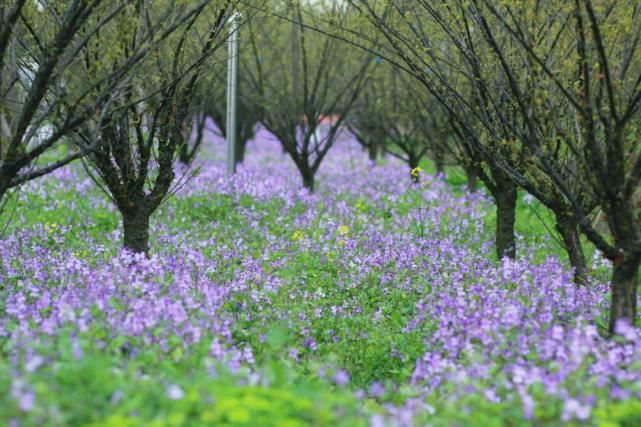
499	112
306	111
580	61
48	87
600	84
144	131
419	45
369	132
396	115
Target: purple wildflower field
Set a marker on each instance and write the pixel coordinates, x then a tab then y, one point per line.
380	295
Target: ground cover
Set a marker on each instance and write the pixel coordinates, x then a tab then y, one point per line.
374	301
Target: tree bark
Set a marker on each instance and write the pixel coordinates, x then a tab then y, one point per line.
184	155
624	291
136	230
372	151
240	150
567	228
505	195
308	180
440	163
472	178
4	186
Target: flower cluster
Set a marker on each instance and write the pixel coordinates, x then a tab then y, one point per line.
391	284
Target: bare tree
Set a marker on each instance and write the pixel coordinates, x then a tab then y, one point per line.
457	67
143	133
599	84
396	115
422	48
306	83
48	88
499	111
562	80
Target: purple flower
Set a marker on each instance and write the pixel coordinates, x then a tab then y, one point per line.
341	378
377	421
376	389
116	397
21	392
174	392
33	363
248	356
626	330
310	343
572	408
26	401
497	330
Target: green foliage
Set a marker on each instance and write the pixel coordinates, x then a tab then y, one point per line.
626	413
116	392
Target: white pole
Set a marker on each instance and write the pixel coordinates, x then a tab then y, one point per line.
232	93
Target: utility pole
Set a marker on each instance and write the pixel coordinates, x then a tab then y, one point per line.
232	93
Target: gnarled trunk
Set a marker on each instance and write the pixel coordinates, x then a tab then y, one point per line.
239	149
372	151
505	195
308	179
624	283
136	230
472	178
568	229
4	186
439	162
624	291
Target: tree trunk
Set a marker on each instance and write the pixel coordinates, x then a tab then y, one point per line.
505	196
472	178
4	186
624	291
372	151
184	155
240	150
567	228
136	230
308	180
440	163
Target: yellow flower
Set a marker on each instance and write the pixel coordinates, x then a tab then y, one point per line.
298	235
50	227
416	171
343	230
